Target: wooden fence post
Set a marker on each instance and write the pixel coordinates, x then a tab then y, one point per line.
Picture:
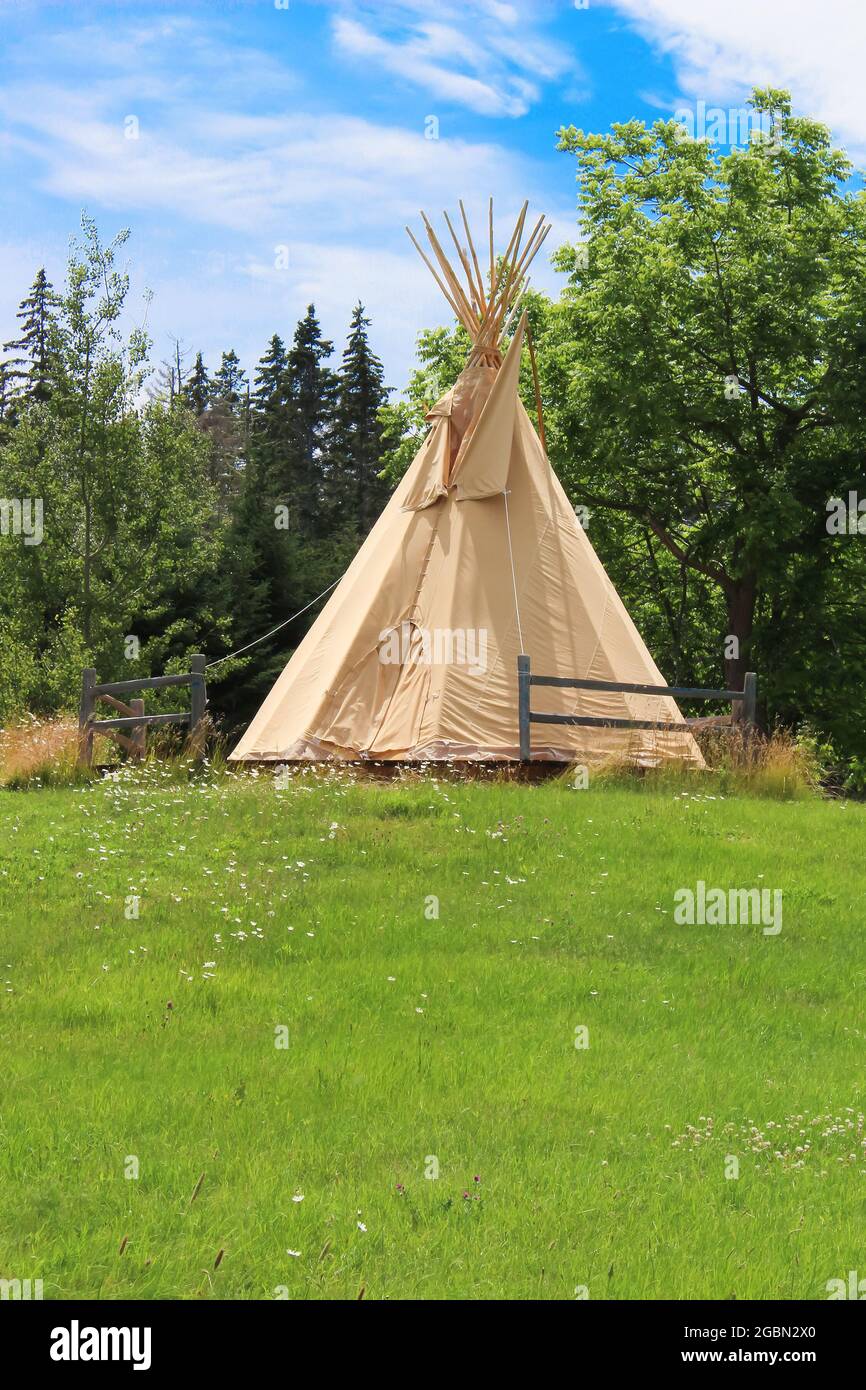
750	701
524	677
139	735
198	699
85	714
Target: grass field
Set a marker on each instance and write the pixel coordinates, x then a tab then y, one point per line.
306	916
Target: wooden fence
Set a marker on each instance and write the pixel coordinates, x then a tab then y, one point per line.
743	703
132	716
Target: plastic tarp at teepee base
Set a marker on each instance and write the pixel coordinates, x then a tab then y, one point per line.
414	656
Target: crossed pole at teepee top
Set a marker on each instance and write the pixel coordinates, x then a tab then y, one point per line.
485	310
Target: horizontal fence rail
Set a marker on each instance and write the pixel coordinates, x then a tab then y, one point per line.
678	691
144	683
744	703
132	716
136	719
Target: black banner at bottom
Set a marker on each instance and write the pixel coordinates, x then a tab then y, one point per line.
84	1339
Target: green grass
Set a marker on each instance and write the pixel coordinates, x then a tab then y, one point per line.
413	1036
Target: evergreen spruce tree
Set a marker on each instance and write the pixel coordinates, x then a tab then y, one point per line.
354	485
225	422
197	387
268	476
269	383
267	484
281	525
4	390
263	586
7	405
34	366
311	391
230	383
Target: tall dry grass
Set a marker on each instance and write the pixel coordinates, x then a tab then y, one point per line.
38	745
778	765
44	753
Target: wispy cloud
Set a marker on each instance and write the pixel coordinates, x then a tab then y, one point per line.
216	184
486	56
257	175
720	50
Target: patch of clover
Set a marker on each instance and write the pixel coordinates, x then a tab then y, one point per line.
797	1141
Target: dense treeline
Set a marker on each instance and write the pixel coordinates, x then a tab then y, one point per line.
179	510
703	375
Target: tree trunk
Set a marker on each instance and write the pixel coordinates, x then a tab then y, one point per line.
84	479
88	565
742	597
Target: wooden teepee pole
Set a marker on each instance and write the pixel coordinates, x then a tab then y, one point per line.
520	281
482	298
535	383
473	288
513	310
456	288
485	314
458	313
510	261
527	250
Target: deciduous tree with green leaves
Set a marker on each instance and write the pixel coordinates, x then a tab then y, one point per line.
706	372
131	539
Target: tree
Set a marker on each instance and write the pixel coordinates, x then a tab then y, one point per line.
226	423
230	383
356	455
36	347
269	385
197	391
311	390
168	382
132	542
265	584
288	543
5	391
99	378
708	361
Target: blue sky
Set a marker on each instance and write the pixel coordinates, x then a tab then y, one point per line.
281	148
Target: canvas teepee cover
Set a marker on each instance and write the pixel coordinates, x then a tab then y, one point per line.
477	556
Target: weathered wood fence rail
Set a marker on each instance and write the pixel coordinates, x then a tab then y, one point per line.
132	716
743	703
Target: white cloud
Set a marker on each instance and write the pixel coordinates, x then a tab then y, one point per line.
414	61
720	51
262	176
335	191
213	186
481	54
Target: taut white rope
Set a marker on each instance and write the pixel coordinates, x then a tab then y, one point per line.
274	629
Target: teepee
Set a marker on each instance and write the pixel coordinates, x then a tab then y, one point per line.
477	557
